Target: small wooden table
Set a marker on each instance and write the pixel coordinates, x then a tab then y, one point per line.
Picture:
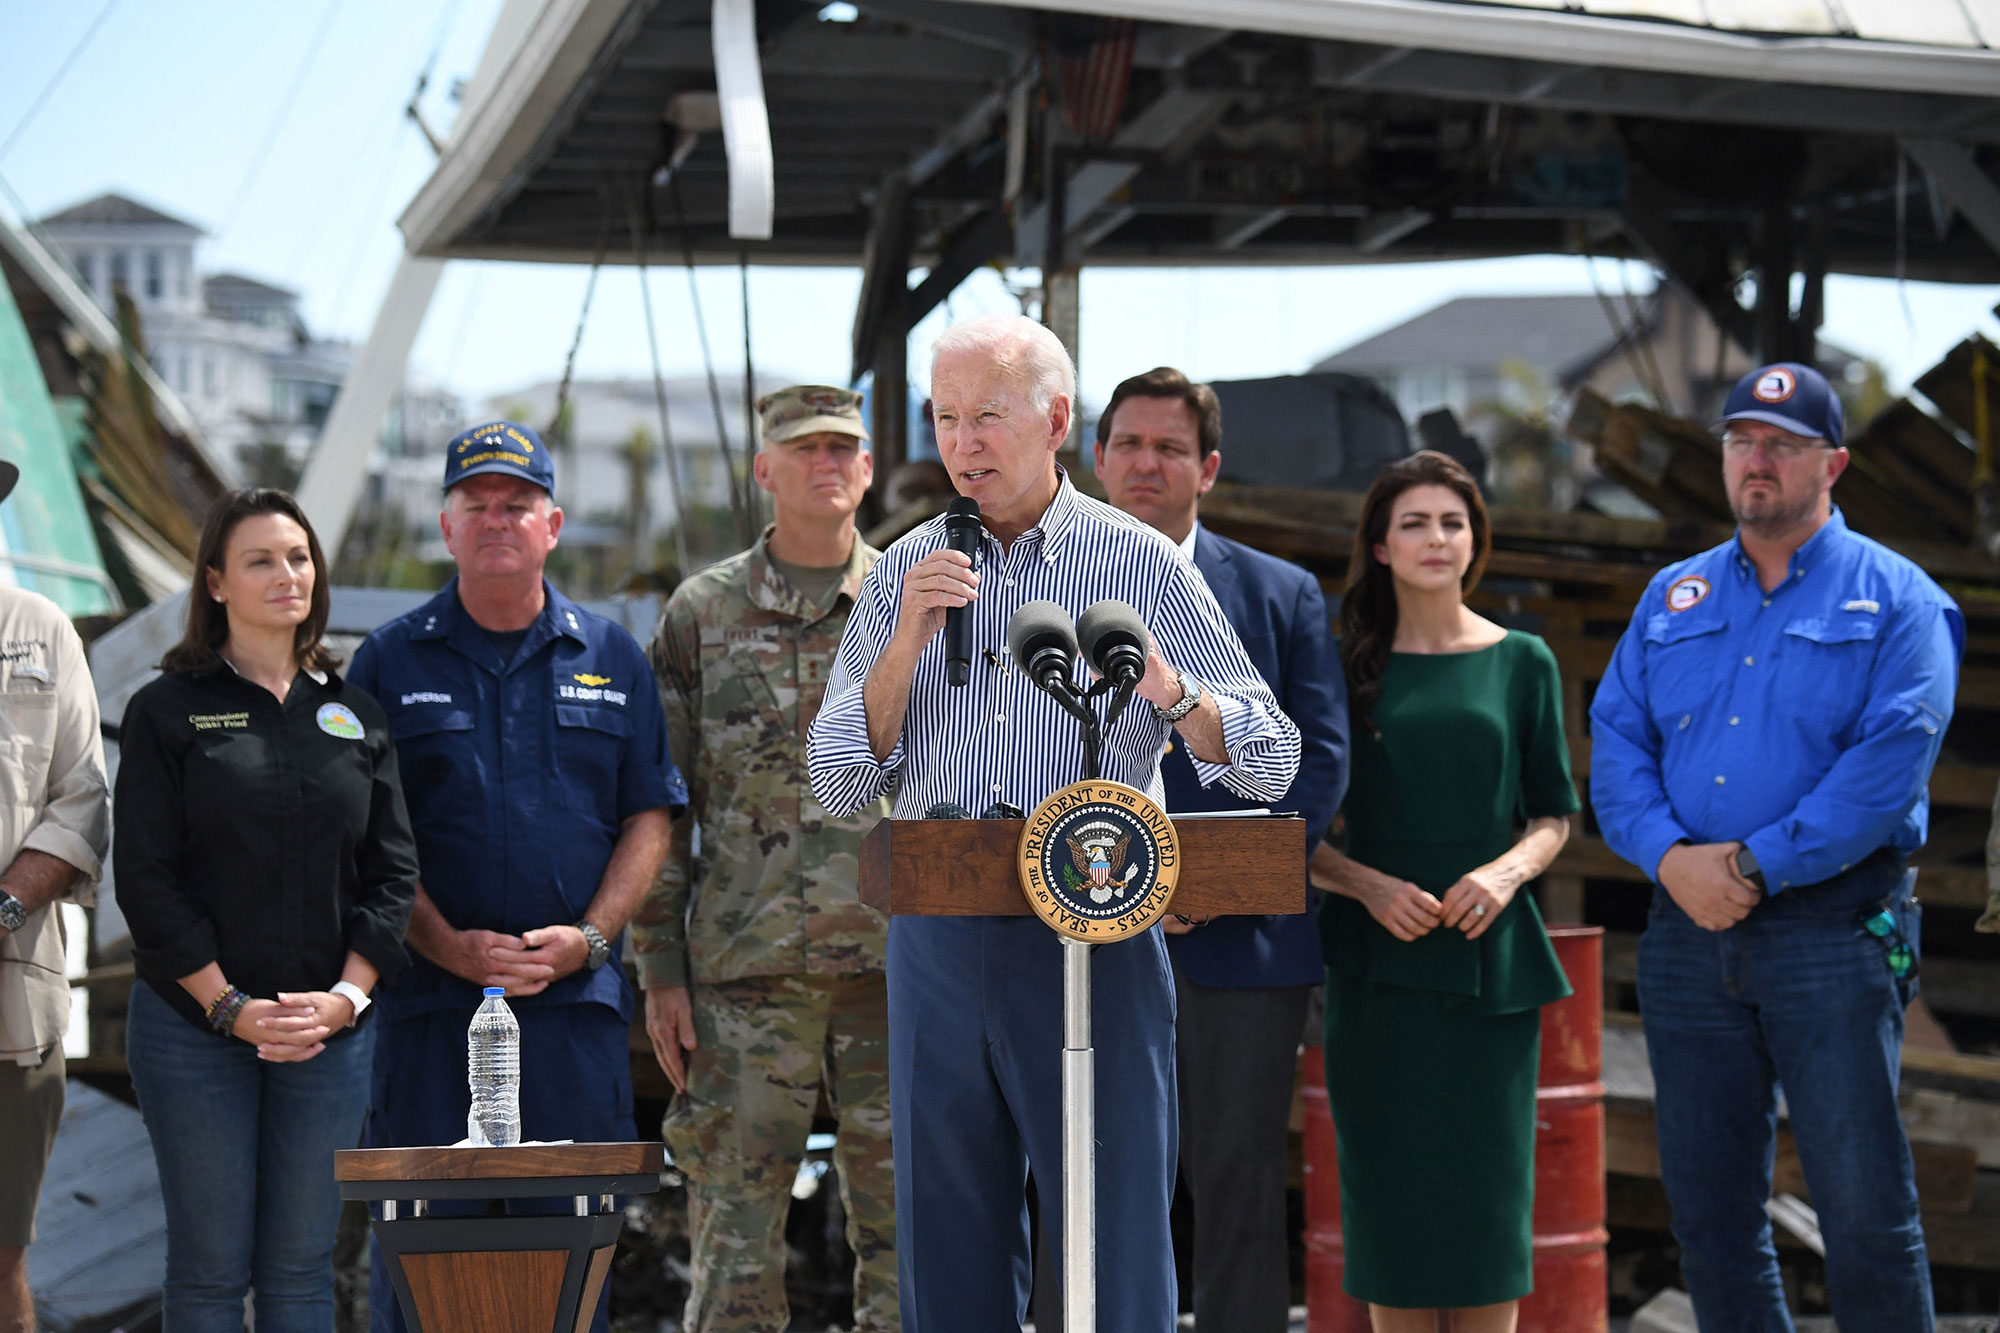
499	1274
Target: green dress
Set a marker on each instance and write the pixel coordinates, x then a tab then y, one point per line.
1432	1046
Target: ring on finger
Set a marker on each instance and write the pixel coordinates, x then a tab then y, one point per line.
1479	910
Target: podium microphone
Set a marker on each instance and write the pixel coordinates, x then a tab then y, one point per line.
1114	641
961	534
1042	643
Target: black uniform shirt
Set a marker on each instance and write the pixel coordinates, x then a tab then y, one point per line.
270	838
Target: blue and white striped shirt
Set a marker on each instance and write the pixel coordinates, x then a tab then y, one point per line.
999	737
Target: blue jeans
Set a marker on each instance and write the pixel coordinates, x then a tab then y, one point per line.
245	1149
1798	995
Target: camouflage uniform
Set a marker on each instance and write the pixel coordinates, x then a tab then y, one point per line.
783	962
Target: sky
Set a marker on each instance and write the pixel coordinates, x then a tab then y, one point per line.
277	127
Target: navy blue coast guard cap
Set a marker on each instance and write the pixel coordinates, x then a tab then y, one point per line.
499	446
1789	396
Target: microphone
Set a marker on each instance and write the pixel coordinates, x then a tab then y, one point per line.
1042	643
961	533
1114	641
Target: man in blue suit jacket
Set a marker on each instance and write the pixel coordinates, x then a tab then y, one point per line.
1243	982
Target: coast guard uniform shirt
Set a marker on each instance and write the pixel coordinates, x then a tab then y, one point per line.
1802	722
518	775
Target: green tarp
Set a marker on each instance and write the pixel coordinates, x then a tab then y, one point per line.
46	542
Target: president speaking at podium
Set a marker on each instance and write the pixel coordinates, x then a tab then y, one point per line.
975	1002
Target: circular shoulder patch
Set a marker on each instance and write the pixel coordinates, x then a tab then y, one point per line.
1099	861
1775	385
1684	593
339	720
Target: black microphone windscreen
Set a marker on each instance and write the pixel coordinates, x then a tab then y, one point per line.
1039	625
962	510
1105	625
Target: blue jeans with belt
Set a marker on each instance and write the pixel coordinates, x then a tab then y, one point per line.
245	1149
1797	995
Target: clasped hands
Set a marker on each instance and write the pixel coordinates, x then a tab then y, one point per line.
524	964
1409	913
294	1027
1702	878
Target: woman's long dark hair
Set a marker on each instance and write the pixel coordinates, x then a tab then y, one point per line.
208	623
1368	603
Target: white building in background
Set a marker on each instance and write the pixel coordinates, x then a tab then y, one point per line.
235	349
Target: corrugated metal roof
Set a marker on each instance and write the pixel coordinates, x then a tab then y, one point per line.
1922	22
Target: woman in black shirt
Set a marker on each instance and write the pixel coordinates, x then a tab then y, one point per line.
263	859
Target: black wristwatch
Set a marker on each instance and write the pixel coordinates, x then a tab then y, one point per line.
1746	866
600	948
13	913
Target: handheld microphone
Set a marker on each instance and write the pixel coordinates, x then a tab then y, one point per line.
961	533
1114	641
1042	643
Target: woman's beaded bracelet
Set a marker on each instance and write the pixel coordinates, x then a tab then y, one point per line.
225	1008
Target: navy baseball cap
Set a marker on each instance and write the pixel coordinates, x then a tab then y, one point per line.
499	446
1789	396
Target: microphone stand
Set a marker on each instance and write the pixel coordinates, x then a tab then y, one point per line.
1079	1056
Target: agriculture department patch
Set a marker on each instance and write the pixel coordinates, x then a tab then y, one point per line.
1099	861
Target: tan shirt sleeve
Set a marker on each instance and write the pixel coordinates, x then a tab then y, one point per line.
75	822
56	802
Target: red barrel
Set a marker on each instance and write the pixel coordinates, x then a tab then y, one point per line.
1571	1292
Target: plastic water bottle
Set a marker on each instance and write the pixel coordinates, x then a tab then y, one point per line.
493	1063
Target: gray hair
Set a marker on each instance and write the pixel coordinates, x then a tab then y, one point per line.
1020	342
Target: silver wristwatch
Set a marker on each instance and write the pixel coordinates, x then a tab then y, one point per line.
600	948
13	913
1190	696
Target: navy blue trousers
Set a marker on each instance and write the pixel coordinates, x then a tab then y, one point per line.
576	1083
975	1089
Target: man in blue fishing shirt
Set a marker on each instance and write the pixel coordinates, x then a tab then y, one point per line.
1761	747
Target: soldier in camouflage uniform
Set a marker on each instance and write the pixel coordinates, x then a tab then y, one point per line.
762	969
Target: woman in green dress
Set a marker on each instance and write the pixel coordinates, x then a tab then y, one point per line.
1437	964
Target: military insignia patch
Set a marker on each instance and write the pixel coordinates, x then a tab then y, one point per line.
1099	861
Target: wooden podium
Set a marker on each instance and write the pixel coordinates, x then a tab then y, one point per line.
1227	866
507	1273
1235	866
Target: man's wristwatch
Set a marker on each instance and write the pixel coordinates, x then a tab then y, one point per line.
600	948
355	996
13	913
1190	696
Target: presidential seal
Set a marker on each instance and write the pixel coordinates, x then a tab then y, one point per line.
1099	861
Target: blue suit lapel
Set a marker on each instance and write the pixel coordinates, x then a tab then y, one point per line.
1218	567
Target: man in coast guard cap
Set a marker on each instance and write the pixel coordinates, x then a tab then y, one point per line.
542	794
1762	745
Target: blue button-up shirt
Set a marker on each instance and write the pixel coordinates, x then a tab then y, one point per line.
1802	722
518	774
999	737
